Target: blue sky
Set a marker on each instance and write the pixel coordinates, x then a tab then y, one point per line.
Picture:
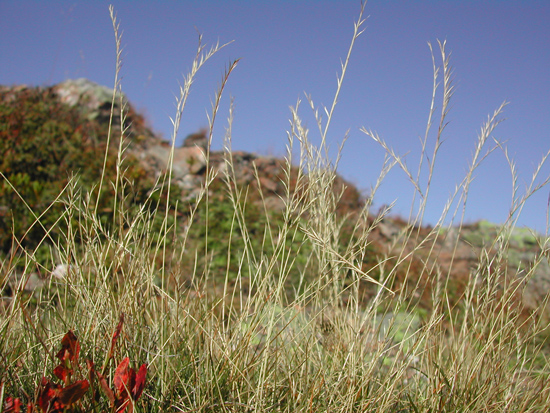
500	52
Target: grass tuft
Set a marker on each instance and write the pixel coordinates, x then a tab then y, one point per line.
233	307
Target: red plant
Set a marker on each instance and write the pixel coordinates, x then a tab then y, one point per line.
59	398
12	405
55	399
116	334
68	355
128	386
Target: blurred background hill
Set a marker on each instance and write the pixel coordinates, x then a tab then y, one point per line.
50	135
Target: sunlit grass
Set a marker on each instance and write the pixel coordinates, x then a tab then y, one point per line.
339	336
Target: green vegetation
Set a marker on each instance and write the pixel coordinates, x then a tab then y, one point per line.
232	307
47	144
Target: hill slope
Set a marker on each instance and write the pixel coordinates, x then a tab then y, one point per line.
49	133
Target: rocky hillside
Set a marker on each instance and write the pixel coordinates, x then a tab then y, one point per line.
78	111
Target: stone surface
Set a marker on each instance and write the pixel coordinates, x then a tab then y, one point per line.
93	99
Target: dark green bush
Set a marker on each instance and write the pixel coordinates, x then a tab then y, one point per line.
45	143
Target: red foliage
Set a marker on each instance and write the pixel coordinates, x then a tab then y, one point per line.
116	334
57	398
68	355
128	386
12	405
53	397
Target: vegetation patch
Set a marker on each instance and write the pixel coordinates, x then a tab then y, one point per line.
249	284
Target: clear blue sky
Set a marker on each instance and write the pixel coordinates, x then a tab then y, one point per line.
500	51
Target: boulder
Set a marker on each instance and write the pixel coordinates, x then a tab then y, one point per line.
94	100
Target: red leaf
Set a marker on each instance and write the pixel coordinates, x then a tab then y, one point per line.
122	377
12	405
47	399
61	372
124	381
116	334
128	385
70	348
140	382
73	393
68	355
54	398
106	389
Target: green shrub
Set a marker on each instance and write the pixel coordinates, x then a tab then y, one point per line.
45	144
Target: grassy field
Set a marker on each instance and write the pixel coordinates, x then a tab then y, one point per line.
296	323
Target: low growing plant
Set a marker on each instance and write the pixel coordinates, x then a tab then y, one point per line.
68	395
